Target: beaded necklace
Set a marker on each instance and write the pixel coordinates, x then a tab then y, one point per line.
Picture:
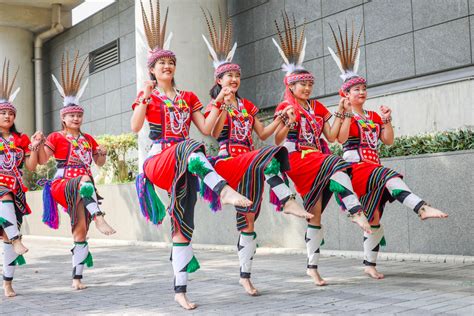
369	129
178	114
240	120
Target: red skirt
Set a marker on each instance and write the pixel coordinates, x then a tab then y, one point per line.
368	181
58	191
232	169
311	175
161	168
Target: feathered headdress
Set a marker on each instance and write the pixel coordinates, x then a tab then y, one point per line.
292	49
347	58
156	33
6	87
220	43
70	88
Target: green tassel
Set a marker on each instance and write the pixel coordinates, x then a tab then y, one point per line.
19	261
88	261
2	221
197	167
193	265
383	243
86	190
336	187
273	167
157	204
322	242
396	193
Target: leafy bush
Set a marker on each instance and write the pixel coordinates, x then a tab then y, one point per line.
423	144
46	171
122	157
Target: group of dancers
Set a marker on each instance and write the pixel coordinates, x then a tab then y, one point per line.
236	176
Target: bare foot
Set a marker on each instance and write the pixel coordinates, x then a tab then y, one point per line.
248	287
232	197
78	285
102	226
373	273
317	279
362	221
8	289
18	247
427	211
293	208
182	300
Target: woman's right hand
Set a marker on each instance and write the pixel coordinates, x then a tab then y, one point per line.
225	92
148	87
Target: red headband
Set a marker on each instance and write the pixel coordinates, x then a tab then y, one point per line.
7	106
226	68
352	82
72	108
158	53
292	78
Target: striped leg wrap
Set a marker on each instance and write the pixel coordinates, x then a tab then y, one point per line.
399	190
372	243
314	240
184	262
8	219
341	184
89	198
199	165
246	246
80	257
279	187
9	258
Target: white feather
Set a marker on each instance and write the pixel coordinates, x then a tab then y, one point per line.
337	60
211	51
70	99
81	90
302	53
230	55
166	45
60	89
13	95
356	62
282	54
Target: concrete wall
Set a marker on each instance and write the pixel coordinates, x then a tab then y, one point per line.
111	91
403	42
16	44
444	180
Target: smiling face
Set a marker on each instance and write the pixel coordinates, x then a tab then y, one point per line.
230	79
7	119
302	89
73	121
357	94
164	69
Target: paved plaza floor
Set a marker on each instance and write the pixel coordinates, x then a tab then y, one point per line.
137	280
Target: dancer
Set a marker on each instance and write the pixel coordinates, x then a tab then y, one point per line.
245	168
316	175
73	186
175	161
360	134
16	151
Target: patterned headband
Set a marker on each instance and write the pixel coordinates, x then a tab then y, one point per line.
292	78
352	82
158	53
226	68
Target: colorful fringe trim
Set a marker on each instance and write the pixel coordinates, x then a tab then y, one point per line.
210	196
86	190
151	206
197	167
275	201
50	207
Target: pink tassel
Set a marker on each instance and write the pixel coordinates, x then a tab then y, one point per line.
275	201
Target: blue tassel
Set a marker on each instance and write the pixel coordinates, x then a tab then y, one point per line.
50	207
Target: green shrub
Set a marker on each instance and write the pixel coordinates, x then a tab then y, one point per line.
423	144
122	157
46	171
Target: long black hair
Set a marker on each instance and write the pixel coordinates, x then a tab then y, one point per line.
216	89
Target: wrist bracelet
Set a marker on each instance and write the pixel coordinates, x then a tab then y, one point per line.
349	114
387	120
144	101
339	115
